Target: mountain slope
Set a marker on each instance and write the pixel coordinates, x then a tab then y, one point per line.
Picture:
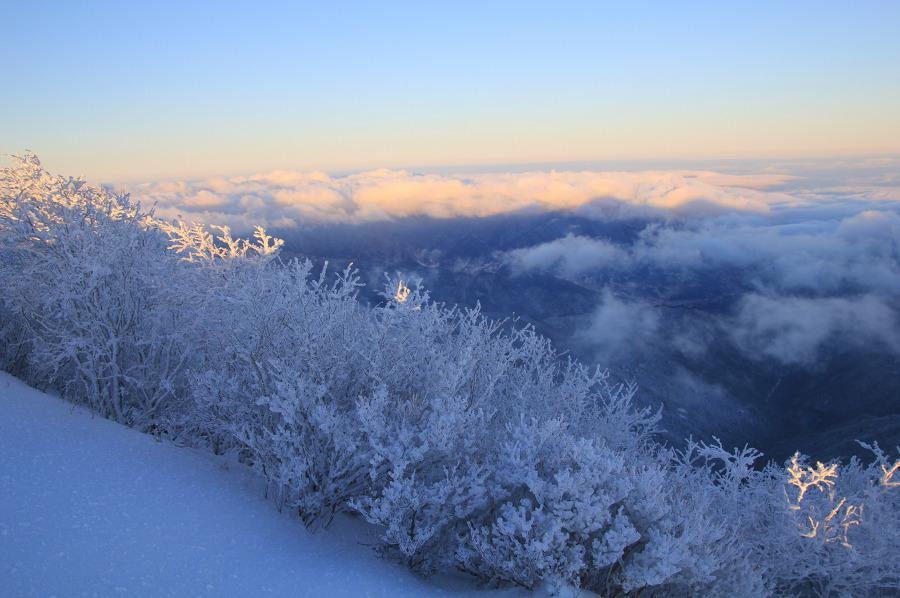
89	507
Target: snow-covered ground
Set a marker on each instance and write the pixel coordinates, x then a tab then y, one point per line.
91	508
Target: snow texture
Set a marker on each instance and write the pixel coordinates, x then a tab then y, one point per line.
89	507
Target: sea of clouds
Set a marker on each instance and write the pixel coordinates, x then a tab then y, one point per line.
291	199
816	246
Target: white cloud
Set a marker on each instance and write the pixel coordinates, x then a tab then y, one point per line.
570	256
619	328
819	263
815	274
796	330
315	197
857	253
871	225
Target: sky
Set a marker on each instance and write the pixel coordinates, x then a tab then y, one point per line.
129	91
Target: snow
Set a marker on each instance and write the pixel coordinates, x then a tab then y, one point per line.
91	508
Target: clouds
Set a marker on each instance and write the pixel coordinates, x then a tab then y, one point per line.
858	253
571	256
818	253
796	282
727	296
619	329
795	330
800	263
871	226
788	330
290	199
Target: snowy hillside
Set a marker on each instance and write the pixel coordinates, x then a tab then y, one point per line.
91	508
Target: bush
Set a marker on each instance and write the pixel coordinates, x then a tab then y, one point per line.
92	295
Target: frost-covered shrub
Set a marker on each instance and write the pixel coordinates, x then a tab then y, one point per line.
844	530
91	289
280	381
428	420
824	530
454	390
580	513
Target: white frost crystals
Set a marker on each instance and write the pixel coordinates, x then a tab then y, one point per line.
471	443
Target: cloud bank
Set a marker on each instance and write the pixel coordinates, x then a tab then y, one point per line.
810	256
811	270
856	253
623	325
794	330
291	199
570	256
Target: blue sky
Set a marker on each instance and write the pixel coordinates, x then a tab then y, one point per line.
125	91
